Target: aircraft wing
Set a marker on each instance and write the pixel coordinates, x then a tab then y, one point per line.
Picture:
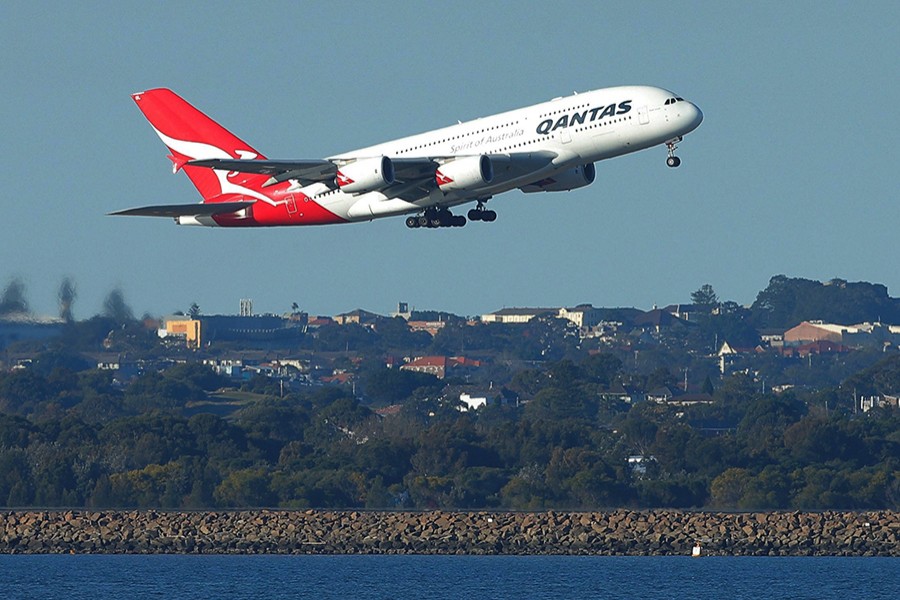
305	171
183	210
314	170
414	175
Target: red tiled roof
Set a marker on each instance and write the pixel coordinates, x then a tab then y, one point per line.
429	361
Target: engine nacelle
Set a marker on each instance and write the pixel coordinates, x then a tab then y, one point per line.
365	175
464	173
572	179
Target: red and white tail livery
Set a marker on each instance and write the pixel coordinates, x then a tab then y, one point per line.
546	147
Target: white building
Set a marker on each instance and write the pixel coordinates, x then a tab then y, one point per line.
517	315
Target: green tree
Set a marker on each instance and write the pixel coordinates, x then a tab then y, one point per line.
727	489
245	488
602	368
705	298
389	386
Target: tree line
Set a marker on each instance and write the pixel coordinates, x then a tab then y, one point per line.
74	439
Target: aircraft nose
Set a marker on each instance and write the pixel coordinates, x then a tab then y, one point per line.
694	115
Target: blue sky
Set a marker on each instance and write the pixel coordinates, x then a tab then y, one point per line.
794	170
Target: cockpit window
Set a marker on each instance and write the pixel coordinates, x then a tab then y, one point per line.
679	99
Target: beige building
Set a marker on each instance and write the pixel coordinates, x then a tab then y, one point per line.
184	327
852	336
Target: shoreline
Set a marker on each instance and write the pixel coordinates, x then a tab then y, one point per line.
616	532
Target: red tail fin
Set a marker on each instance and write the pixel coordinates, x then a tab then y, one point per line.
191	135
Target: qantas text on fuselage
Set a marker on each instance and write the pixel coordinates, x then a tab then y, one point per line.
546	147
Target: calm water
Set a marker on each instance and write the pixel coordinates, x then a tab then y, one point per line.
421	577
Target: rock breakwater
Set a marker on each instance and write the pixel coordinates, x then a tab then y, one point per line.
619	532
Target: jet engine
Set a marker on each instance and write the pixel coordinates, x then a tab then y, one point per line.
572	179
365	175
464	173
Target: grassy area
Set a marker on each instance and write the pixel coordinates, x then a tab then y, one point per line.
223	403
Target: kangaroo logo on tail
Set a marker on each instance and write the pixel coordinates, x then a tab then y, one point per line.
191	135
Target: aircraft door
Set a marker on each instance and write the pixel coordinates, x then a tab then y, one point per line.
643	115
291	204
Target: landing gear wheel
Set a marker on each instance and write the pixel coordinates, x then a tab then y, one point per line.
488	216
459	221
423	221
412	222
673	161
475	214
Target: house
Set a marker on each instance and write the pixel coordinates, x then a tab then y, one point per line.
685	311
658	319
619	393
773	338
470	402
440	366
392	410
660	395
728	354
319	321
430	327
471	397
358	317
338	378
433	365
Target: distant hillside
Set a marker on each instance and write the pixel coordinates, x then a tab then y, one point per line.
788	301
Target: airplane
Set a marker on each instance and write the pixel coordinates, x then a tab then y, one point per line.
547	147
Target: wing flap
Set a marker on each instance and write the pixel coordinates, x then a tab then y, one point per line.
183	210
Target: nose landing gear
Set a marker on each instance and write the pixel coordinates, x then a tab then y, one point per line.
672	160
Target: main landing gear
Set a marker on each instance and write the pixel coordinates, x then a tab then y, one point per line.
441	217
435	217
672	160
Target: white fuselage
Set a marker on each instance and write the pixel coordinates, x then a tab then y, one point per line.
573	130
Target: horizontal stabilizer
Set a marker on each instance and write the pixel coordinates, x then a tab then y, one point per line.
184	210
307	171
